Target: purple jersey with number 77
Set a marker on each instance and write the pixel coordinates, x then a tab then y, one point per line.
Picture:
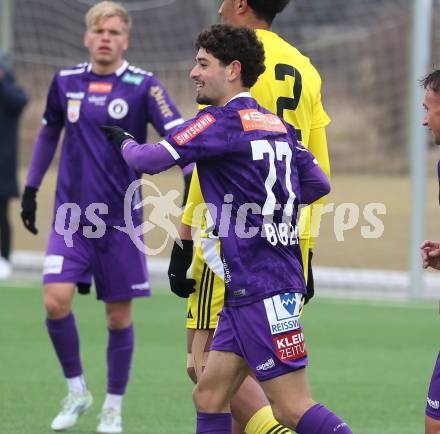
250	168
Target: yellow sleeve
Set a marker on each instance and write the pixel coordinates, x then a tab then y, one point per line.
318	147
193	215
320	118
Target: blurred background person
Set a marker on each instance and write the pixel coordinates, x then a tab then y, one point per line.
13	99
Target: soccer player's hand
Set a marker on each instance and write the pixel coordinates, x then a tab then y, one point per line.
430	251
180	261
29	208
116	134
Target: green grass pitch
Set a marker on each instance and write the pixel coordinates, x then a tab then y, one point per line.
369	361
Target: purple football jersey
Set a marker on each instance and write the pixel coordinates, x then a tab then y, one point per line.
90	170
249	164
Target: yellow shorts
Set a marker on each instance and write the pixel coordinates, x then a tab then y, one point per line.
206	302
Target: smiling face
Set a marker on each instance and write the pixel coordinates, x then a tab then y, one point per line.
107	40
431	120
210	77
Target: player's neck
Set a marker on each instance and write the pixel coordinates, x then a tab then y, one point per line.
233	94
255	23
100	69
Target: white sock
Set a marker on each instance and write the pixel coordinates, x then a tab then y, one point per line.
77	384
113	401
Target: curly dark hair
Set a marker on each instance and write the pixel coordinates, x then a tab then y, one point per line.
267	9
432	81
227	43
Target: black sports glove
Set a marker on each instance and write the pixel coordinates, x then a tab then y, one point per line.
115	134
179	263
310	281
29	208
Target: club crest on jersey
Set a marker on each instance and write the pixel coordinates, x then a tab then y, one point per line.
118	108
73	109
100	87
194	129
283	312
252	119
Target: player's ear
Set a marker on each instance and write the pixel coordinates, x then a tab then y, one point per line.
125	44
86	39
241	6
234	70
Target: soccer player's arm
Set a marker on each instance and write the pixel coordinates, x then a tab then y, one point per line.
314	183
187	144
192	218
318	147
48	137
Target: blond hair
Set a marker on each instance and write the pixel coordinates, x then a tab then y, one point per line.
107	9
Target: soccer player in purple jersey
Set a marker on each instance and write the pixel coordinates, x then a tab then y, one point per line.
253	174
430	250
95	178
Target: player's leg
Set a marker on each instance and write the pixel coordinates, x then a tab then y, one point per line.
203	305
222	376
432	426
120	273
278	357
293	406
63	267
5	239
250	408
432	419
252	412
198	344
119	356
225	371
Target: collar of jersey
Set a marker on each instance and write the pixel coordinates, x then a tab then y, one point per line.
118	72
240	95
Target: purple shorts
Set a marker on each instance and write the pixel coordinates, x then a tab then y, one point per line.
267	334
433	399
118	268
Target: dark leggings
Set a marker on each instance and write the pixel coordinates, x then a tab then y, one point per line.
5	229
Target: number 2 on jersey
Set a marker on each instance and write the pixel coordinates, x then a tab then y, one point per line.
284	102
282	149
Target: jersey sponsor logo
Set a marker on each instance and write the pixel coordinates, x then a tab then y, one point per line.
73	109
290	346
75	95
100	87
133	78
157	93
98	100
189	315
433	403
283	312
194	129
254	120
53	264
266	365
118	108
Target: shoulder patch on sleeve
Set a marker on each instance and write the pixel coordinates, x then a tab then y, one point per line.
137	70
66	72
194	129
